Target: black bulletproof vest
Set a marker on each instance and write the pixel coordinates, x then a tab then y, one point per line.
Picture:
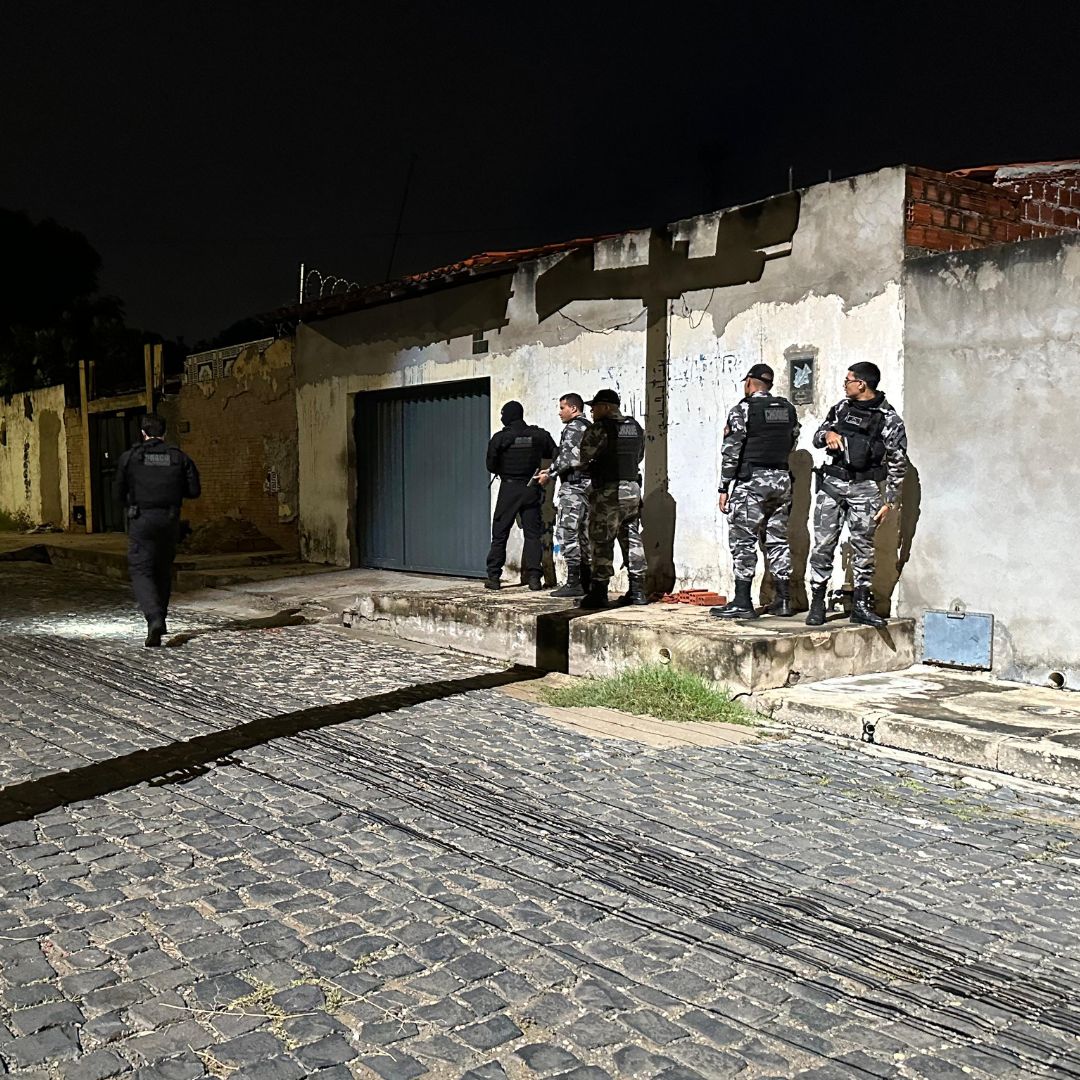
863	457
156	472
769	424
520	458
622	451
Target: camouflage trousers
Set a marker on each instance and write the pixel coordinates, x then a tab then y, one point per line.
615	513
572	529
853	502
758	510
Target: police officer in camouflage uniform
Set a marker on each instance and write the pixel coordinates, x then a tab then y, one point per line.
611	451
154	479
571	531
755	491
514	455
867	444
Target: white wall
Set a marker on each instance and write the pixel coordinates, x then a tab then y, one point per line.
838	291
993	413
837	296
33	457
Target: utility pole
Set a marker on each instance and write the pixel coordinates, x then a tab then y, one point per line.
400	217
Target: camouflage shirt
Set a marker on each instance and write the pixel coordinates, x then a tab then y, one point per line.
568	459
735	439
893	434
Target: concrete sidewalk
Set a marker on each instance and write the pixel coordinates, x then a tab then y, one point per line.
1016	728
841	679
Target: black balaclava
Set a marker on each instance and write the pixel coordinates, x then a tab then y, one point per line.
512	411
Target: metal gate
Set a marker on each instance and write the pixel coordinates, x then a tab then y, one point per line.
110	436
423	502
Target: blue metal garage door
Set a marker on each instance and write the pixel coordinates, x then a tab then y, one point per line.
422	500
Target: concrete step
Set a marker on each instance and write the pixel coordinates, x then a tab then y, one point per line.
535	629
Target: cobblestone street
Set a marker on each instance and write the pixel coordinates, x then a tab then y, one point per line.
291	852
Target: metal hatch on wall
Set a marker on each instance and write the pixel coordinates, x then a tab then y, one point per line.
423	502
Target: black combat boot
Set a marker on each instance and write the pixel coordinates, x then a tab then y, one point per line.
816	617
741	607
636	593
596	598
493	583
862	608
781	604
573	586
586	576
154	629
536	582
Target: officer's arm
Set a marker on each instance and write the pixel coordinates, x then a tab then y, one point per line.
731	451
827	425
796	429
894	435
192	483
494	446
592	444
122	483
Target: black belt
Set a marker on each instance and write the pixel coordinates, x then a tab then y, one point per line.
841	472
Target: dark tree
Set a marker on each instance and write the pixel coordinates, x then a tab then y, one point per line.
51	313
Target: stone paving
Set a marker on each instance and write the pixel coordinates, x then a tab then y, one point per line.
287	852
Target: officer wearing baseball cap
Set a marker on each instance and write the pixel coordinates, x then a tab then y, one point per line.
755	491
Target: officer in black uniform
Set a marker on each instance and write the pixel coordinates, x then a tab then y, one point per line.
514	455
154	480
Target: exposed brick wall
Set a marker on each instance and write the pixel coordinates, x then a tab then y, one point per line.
240	430
76	478
947	212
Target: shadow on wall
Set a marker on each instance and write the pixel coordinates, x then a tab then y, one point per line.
802	497
893	540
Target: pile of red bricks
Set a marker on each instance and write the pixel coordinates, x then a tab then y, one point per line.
697	597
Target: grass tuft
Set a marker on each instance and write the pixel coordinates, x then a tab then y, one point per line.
17	522
653	690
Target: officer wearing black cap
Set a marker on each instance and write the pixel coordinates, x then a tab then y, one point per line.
154	480
611	453
514	455
755	491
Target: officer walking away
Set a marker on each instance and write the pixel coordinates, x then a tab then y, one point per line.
755	491
514	455
154	480
571	530
611	452
866	444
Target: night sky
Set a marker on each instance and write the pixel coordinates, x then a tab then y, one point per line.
207	148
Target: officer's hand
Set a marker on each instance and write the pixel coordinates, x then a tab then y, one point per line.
723	502
883	513
832	441
542	478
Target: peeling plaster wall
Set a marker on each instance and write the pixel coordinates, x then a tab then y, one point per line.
33	456
838	292
241	433
836	297
993	400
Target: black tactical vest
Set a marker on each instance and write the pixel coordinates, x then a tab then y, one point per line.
520	459
156	474
769	424
863	456
621	456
